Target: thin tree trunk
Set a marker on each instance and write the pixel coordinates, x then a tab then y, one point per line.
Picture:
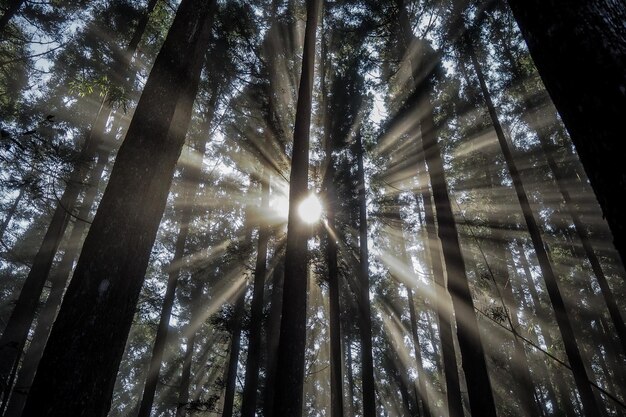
230	374
292	340
102	296
273	330
472	352
588	35
249	403
185	378
365	320
545	332
444	310
567	332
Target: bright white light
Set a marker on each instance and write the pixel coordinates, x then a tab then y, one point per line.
310	210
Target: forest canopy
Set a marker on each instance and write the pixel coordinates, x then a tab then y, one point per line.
314	208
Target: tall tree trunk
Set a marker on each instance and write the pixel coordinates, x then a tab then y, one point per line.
230	374
363	294
565	403
472	352
248	406
292	340
576	362
185	378
420	387
273	331
102	296
444	308
191	177
16	331
588	35
560	178
58	282
336	378
10	11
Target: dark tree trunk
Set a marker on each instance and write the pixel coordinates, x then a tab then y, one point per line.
336	378
102	296
230	374
567	332
273	330
565	403
472	352
363	294
191	177
249	403
58	282
10	11
444	308
292	340
16	331
185	378
588	36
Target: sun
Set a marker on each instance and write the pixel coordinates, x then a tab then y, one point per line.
310	210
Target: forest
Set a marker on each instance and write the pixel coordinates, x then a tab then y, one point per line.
312	208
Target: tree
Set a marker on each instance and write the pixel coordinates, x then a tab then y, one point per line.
588	36
292	339
105	289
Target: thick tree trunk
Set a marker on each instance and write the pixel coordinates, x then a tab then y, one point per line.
191	177
363	294
102	296
472	352
249	403
567	332
292	340
14	336
588	35
58	283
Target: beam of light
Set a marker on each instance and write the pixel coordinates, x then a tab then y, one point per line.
310	209
279	206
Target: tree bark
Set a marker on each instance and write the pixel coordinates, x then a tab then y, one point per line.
567	332
472	352
16	331
444	308
363	294
58	283
102	296
588	36
230	374
292	340
249	403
